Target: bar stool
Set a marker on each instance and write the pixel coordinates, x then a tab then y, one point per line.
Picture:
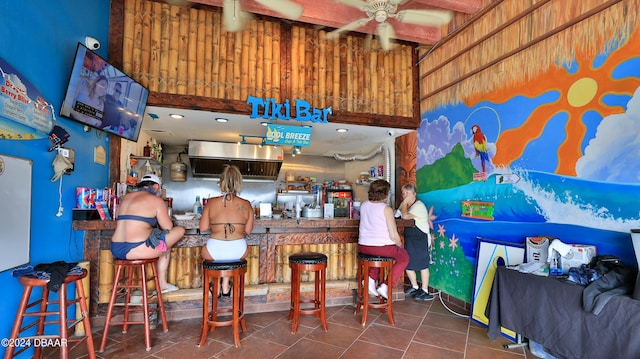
385	264
62	340
308	261
212	272
131	274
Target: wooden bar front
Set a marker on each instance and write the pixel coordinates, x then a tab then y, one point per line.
268	275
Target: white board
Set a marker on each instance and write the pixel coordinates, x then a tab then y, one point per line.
15	211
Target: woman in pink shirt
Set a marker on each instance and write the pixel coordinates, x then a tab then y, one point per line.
379	235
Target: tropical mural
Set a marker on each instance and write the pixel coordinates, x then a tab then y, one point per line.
556	155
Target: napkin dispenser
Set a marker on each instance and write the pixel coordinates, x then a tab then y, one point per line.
265	209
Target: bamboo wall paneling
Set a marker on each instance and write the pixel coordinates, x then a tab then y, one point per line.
243	66
176	50
373	57
105	281
216	55
182	77
266	63
349	71
305	65
229	65
163	59
322	70
237	64
222	62
151	285
206	57
252	58
177	261
274	35
196	53
128	35
253	264
142	47
172	269
196	266
154	48
315	69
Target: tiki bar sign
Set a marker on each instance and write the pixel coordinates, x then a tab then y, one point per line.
268	108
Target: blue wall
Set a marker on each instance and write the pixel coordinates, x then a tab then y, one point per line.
39	39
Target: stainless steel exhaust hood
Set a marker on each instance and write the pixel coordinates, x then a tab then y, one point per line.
256	163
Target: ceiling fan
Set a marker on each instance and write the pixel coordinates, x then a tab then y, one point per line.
234	17
382	10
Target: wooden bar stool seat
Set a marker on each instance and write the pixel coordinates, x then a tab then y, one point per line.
212	272
60	317
317	263
365	262
131	274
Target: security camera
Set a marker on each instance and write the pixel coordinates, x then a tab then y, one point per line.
92	43
391	133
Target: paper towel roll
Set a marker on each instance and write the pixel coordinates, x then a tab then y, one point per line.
559	247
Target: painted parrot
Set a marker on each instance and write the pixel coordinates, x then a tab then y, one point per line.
480	144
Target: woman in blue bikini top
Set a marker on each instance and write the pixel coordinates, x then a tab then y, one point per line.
136	235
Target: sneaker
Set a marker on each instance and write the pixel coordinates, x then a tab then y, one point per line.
423	296
372	287
382	290
411	292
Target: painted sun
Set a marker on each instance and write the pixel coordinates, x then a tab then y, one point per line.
580	91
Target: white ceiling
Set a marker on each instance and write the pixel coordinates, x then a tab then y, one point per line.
201	125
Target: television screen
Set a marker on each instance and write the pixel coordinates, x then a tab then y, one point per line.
101	96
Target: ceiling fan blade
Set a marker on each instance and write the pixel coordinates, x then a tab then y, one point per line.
424	17
348	27
288	8
359	4
232	16
386	34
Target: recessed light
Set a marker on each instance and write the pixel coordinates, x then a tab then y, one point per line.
175	115
342	130
264	123
222	119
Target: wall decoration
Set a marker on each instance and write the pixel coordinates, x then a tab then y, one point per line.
477	209
491	254
24	113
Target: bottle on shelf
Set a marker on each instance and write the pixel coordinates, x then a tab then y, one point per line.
146	151
197	206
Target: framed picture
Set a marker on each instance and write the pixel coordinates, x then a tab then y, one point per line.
491	254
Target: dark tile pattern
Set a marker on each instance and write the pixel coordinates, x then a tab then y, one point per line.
422	330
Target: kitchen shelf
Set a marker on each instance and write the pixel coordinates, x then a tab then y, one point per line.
306	184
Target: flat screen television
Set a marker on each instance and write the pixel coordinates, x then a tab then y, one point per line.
101	96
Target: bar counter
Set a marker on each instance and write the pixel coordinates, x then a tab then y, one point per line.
267	282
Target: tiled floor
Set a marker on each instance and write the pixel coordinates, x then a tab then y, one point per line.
422	330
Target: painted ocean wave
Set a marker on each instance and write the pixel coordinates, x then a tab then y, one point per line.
546	197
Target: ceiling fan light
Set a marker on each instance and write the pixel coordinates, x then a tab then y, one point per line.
380	15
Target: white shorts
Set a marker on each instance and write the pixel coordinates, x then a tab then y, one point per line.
231	250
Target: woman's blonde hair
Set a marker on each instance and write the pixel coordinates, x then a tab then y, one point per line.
230	179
